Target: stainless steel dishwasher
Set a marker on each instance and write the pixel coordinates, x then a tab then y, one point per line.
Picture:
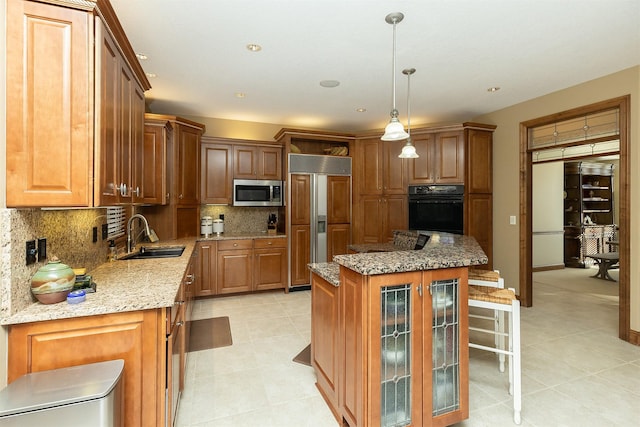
84	395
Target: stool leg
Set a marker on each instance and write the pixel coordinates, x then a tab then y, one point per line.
517	361
499	337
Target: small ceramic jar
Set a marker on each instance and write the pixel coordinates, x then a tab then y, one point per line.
52	282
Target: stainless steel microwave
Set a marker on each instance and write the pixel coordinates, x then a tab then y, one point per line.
253	192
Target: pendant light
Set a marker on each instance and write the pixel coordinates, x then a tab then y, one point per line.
409	150
394	130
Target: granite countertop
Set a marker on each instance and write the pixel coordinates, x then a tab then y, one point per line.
329	271
123	285
234	236
443	250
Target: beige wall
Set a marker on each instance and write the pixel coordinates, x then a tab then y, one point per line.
506	167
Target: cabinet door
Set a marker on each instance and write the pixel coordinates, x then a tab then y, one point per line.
479	208
394	169
108	124
235	272
338	239
371	220
270	163
422	169
206	276
125	135
188	178
133	336
245	162
48	124
216	173
479	161
396	340
369	157
338	199
300	254
300	203
138	145
396	216
450	158
325	343
153	165
445	380
270	268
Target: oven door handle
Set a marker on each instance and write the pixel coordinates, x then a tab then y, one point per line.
436	201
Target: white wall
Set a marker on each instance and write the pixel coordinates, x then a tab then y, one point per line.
548	227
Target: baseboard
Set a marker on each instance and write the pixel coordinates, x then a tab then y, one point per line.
548	267
634	337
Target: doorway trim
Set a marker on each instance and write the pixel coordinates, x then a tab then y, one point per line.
526	200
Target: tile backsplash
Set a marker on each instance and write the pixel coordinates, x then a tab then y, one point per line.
69	235
243	219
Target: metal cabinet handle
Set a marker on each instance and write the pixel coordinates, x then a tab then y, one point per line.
180	196
180	323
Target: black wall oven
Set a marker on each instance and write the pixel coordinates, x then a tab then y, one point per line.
436	208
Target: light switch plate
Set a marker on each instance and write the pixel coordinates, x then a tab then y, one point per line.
512	220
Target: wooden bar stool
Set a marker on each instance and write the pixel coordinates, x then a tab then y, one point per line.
486	292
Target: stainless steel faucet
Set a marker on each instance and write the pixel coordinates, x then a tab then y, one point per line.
131	240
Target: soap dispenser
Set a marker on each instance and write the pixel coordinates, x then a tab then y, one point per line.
112	251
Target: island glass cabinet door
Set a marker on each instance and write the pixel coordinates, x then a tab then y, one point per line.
419	353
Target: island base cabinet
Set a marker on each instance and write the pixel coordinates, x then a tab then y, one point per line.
137	337
324	338
402	348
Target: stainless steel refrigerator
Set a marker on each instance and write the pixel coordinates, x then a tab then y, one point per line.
318	212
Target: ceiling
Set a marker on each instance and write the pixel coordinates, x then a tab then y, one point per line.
460	48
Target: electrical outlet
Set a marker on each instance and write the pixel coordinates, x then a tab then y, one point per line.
42	249
94	237
31	252
105	231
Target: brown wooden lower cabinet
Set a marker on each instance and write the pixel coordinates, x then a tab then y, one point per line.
392	349
138	337
206	277
241	265
325	338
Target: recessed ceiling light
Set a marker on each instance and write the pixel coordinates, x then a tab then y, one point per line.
151	75
329	83
141	56
254	47
361	110
240	95
493	89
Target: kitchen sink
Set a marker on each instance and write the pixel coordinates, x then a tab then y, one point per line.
150	252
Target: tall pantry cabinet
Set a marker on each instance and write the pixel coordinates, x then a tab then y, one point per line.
65	115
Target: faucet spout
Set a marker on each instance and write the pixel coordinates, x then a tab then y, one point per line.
131	241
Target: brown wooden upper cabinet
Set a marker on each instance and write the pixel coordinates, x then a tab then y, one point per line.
441	158
55	156
151	163
380	169
216	178
257	162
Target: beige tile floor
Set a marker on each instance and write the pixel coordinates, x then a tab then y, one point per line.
576	372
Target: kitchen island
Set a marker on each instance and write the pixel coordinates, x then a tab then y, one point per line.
389	332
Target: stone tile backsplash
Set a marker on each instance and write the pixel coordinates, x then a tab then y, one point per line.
69	238
243	219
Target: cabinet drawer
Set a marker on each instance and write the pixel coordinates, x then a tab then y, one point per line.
270	243
227	245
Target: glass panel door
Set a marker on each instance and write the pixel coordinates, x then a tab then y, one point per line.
395	355
445	346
